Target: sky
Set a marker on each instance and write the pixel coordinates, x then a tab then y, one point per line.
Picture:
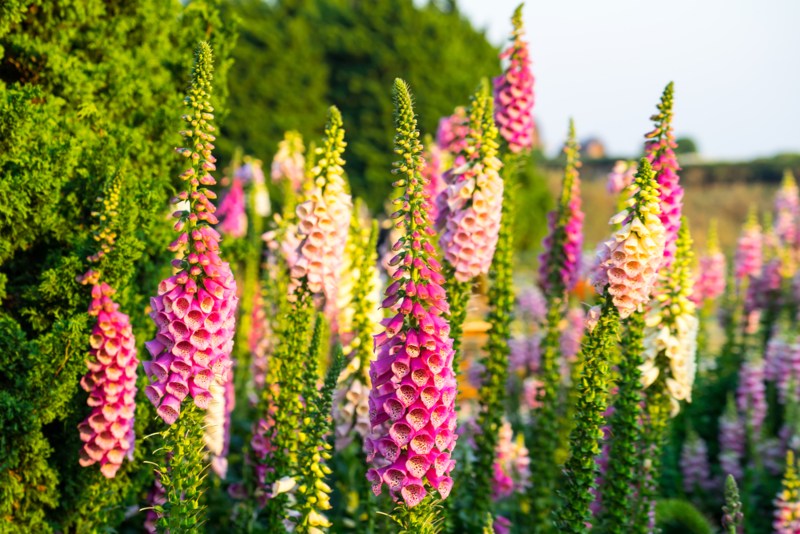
735	64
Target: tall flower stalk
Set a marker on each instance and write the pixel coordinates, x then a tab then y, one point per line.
312	247
629	264
669	368
660	151
107	433
492	393
469	209
194	313
412	400
513	91
558	273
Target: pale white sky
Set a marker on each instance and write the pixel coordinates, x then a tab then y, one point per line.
735	64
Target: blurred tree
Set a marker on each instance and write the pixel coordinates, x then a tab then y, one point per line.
89	90
296	57
686	145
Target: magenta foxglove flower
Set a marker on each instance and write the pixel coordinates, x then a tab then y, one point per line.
560	263
512	465
694	465
749	251
232	211
433	174
751	394
412	401
471	205
660	151
108	433
451	136
195	310
289	163
513	92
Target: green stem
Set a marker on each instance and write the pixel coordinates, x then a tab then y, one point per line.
458	294
581	469
619	498
492	391
544	435
184	472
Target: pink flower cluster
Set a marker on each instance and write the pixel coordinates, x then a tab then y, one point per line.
565	231
195	312
694	465
748	260
108	433
323	222
232	211
512	465
513	93
660	151
630	260
751	394
433	176
470	206
620	177
452	133
709	281
412	400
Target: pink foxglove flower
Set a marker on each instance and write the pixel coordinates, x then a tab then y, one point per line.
629	261
749	251
559	264
513	92
433	174
289	163
412	401
108	433
323	222
660	151
709	281
471	204
512	465
451	136
620	177
232	211
195	310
